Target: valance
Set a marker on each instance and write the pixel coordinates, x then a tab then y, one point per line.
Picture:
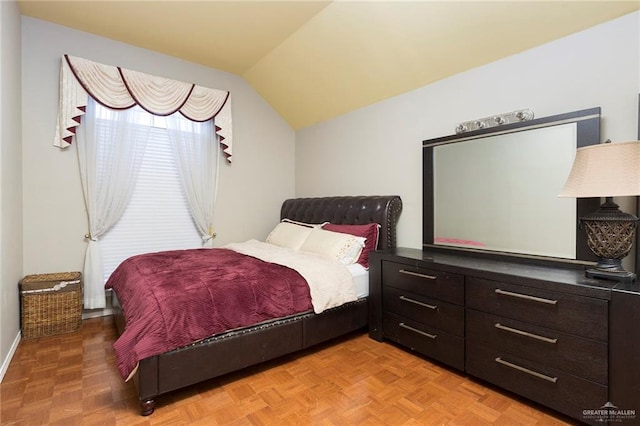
119	88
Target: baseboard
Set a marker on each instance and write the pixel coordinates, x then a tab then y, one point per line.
7	360
100	312
96	313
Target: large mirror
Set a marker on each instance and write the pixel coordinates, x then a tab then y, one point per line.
496	190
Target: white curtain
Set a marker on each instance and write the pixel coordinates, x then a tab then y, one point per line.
120	88
197	159
111	145
84	84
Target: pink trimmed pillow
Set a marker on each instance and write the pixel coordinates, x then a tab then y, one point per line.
370	232
345	248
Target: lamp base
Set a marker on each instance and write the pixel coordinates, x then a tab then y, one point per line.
610	235
621	276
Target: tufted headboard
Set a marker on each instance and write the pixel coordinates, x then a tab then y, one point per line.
351	210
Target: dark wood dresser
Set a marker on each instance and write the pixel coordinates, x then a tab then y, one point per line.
423	309
547	333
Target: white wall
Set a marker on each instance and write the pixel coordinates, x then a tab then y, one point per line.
251	190
10	182
377	149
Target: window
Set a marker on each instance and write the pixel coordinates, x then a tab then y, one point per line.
107	190
157	217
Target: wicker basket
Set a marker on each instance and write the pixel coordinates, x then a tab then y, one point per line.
50	304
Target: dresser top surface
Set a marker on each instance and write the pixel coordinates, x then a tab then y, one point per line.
519	271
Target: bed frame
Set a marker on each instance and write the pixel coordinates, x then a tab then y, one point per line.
240	348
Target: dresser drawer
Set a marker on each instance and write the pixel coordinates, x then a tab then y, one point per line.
429	341
561	391
579	315
431	312
431	283
581	357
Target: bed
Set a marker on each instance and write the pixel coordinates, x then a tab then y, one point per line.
245	346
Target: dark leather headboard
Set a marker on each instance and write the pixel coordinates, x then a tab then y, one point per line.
358	210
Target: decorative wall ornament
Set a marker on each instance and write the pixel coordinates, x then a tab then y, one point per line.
119	88
495	120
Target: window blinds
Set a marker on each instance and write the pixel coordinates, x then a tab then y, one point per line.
157	217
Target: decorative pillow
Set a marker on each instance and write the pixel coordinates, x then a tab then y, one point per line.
343	247
288	235
370	232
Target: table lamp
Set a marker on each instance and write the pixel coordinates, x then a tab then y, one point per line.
607	170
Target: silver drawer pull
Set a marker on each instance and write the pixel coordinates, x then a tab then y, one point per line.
415	330
526	370
417	302
526	296
417	274
525	333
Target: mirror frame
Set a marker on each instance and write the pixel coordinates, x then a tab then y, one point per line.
588	133
637	266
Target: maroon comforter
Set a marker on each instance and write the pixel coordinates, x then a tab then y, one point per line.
174	298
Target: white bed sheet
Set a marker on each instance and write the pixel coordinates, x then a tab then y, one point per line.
360	279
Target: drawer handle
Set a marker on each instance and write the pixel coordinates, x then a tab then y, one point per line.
417	274
526	370
415	330
417	302
525	333
526	296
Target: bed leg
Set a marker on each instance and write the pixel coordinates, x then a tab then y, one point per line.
147	407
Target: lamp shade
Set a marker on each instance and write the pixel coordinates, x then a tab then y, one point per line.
605	170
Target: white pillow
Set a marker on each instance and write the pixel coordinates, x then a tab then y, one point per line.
288	235
345	248
308	225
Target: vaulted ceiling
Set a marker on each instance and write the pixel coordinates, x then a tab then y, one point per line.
314	60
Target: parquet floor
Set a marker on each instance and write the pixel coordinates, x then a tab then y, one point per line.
71	379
